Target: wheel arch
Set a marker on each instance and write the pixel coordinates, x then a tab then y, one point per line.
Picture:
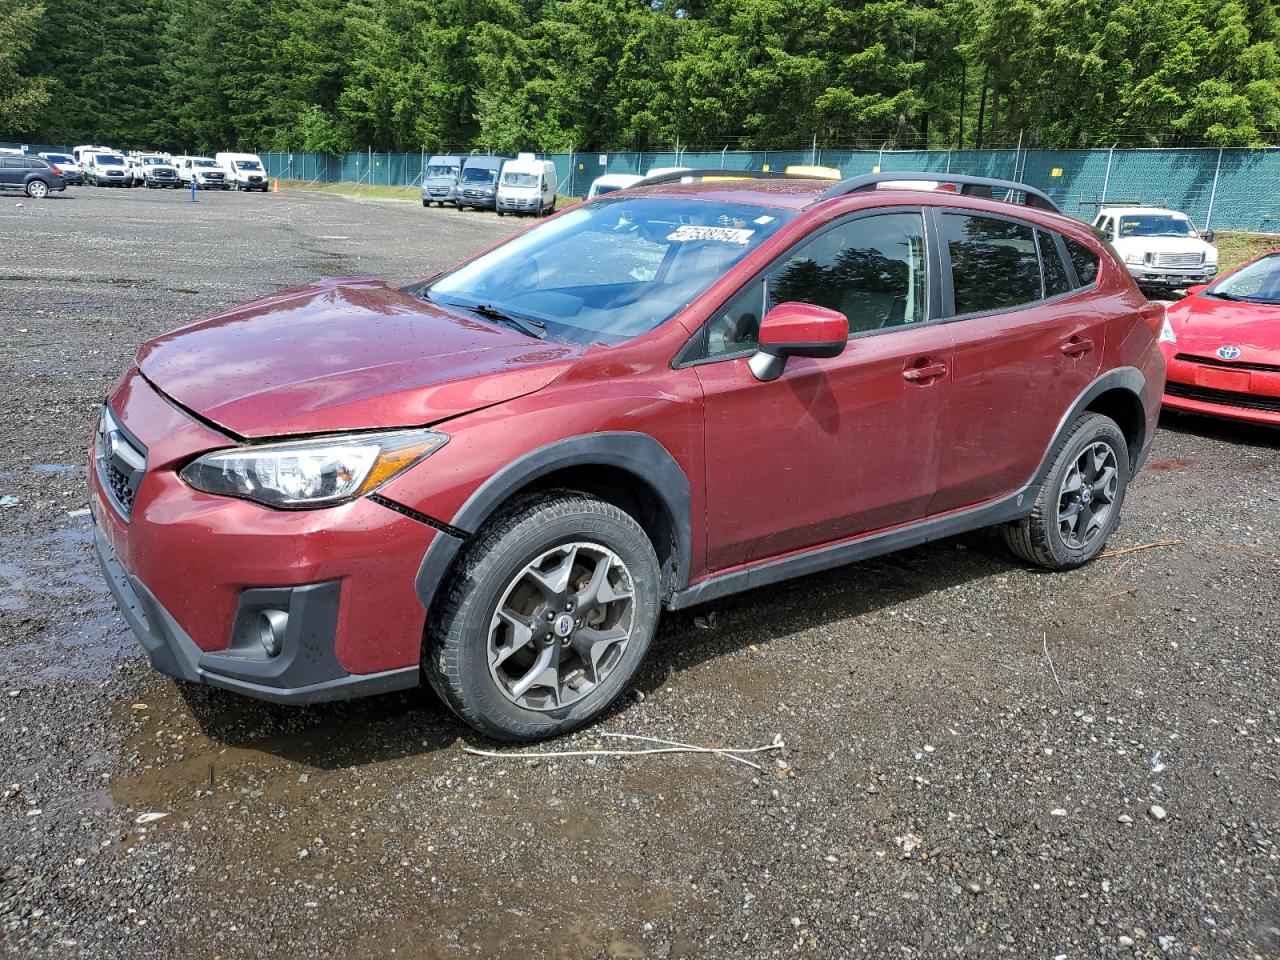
1116	394
633	471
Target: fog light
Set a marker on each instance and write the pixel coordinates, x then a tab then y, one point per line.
273	624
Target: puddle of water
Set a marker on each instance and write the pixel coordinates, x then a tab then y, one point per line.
68	468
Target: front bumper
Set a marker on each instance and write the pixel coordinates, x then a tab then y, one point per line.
1215	389
441	194
198	576
521	205
1148	275
481	201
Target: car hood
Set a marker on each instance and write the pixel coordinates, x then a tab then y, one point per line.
1166	245
345	354
1203	324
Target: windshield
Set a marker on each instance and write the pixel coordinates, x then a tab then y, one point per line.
441	171
611	269
519	180
206	163
1257	282
247	165
59	158
479	175
109	160
1155	225
155	161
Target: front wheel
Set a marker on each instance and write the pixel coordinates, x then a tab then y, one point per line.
546	618
1078	504
37	189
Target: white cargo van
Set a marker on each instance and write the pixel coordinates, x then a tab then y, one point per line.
527	185
245	171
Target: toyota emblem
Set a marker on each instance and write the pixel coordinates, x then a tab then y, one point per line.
1228	352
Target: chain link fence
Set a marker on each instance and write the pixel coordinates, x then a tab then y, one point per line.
1231	189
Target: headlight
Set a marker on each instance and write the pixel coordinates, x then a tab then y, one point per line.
1166	332
303	474
1134	258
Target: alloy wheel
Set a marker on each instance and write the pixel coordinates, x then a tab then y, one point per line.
37	190
1086	499
562	626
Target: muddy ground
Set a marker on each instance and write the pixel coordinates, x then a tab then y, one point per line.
947	789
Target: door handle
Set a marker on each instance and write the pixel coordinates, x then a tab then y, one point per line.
1077	346
924	371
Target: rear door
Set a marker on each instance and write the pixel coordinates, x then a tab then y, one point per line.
834	447
1028	341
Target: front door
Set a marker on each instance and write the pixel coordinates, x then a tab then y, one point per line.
833	447
13	171
1028	341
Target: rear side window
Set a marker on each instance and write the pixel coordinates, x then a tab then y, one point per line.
994	265
1084	260
1055	274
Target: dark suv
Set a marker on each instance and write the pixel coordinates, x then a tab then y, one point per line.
496	478
35	177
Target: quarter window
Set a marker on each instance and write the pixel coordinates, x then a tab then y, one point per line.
1055	274
1084	260
993	263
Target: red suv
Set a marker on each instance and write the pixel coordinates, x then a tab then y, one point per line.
497	478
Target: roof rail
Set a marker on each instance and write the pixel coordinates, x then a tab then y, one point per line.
869	181
681	176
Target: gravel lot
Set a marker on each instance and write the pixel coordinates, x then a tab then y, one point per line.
946	788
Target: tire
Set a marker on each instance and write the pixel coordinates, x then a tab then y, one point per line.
1050	536
37	189
576	533
426	203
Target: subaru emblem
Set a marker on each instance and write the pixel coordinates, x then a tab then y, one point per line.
1228	352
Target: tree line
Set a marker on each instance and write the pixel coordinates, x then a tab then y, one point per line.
554	75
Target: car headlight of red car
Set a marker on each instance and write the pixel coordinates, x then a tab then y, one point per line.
317	472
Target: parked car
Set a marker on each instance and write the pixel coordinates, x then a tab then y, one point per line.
245	171
81	154
35	177
660	172
497	477
527	185
478	182
1222	343
440	180
208	174
156	171
1161	248
611	182
66	166
106	170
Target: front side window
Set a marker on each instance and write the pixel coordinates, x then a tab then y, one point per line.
993	263
611	269
871	269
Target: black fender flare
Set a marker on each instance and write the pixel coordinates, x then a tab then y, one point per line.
636	453
1128	379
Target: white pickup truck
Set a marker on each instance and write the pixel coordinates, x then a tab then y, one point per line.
1162	248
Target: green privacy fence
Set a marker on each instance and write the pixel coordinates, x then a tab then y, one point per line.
1237	189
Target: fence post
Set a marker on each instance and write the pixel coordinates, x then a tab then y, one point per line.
1106	179
1213	192
813	151
722	150
948	161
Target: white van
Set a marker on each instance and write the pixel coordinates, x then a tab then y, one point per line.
106	170
245	171
611	182
82	154
527	185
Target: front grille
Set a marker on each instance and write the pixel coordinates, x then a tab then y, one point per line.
1227	398
121	461
1177	259
1229	364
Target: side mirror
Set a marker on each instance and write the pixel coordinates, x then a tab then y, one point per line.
1208	236
797	330
1194	289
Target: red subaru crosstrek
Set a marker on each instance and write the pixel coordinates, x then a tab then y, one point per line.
497	478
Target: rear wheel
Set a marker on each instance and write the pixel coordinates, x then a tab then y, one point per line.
37	189
1078	504
546	618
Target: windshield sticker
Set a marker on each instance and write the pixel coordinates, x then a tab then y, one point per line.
723	234
762	220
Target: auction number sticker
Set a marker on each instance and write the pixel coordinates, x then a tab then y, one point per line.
722	234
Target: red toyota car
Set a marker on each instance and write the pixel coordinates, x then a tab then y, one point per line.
496	478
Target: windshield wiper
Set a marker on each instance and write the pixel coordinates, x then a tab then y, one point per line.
1227	296
529	325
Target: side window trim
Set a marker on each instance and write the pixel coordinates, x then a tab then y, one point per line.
697	344
1072	277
